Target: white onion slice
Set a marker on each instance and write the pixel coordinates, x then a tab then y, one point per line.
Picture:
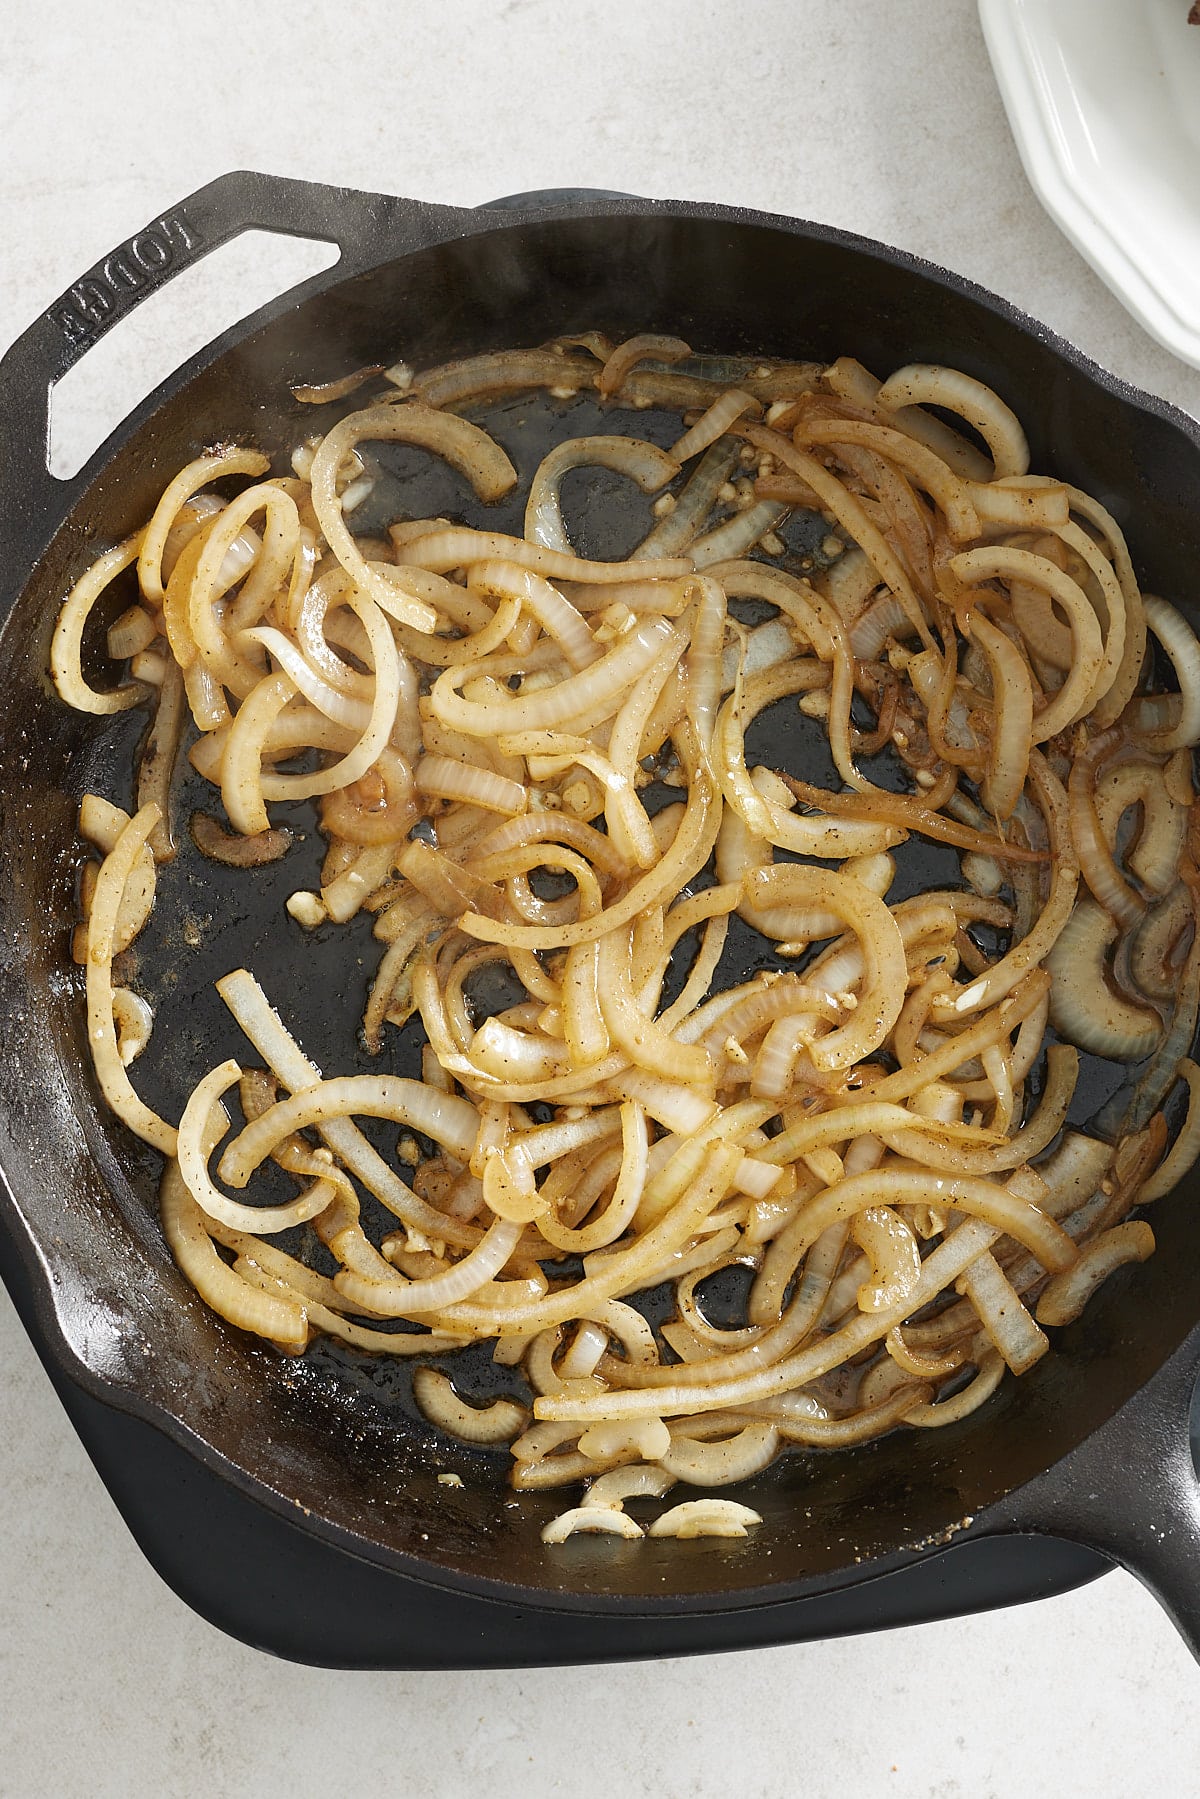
643	462
65	644
927	384
1179	641
705	1518
463	445
603	1521
1066	1296
499	1422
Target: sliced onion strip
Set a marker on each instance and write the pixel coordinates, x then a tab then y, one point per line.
644	463
1065	1297
927	384
65	668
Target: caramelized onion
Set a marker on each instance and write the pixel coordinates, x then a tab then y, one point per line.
1084	1005
925	384
496	730
627	355
235	850
1064	1298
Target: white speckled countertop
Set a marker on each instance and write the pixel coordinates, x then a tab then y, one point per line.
881	117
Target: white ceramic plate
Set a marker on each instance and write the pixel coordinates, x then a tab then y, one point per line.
1103	97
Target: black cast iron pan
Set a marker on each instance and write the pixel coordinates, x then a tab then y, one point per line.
1092	1446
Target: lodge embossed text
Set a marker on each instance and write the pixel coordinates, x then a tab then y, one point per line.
132	270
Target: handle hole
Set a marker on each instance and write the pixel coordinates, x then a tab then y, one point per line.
167	328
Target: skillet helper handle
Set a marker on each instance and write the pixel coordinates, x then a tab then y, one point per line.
366	228
1131	1491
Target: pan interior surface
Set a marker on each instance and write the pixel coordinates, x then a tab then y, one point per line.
334	1437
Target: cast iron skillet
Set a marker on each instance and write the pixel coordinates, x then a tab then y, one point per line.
1093	1445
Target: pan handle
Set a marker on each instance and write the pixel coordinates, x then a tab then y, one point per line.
1130	1490
366	227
